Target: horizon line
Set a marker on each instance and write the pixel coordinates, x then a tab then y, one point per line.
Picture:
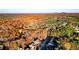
39	10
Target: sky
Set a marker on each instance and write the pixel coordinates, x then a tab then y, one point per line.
39	6
39	10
